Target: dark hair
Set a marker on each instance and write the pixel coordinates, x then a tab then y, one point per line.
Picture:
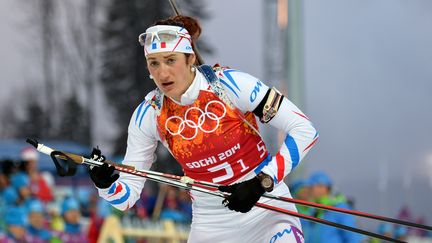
189	23
7	167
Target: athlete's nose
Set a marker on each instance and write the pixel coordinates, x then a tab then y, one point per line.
164	72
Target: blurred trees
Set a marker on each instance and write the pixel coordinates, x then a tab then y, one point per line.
46	8
36	114
74	116
82	45
66	48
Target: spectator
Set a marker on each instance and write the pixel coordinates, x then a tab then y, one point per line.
71	216
87	201
4	181
419	232
383	229
171	207
185	204
37	226
9	197
400	233
321	192
21	182
8	194
16	222
8	167
97	218
39	184
56	222
300	189
146	204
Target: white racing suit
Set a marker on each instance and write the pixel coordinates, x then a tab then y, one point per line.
212	133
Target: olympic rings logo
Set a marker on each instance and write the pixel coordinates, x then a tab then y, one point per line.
198	125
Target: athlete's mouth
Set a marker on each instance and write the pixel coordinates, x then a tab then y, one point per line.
167	84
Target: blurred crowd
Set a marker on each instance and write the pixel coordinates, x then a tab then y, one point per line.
318	188
35	208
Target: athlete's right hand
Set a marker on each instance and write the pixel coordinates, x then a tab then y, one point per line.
102	176
243	196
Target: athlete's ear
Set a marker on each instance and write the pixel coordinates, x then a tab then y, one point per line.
191	58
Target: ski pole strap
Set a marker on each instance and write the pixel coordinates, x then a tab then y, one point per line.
65	166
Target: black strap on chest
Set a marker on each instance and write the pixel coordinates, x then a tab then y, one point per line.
208	73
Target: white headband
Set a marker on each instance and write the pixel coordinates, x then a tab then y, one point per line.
164	38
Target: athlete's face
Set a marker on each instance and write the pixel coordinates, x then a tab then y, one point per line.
171	72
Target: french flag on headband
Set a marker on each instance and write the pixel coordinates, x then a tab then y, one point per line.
155	45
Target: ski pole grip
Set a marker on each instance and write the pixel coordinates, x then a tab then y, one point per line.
75	158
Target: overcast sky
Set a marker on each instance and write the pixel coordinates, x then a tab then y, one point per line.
368	79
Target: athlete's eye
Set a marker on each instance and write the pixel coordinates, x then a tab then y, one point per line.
171	61
153	64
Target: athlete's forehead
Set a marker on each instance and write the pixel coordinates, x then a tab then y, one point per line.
163	55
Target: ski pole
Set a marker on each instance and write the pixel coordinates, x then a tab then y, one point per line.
132	170
177	183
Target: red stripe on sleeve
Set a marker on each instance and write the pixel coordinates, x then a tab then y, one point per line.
311	144
302	115
281	167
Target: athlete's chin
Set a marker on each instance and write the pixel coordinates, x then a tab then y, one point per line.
172	93
167	89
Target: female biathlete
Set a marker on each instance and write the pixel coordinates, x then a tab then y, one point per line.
206	117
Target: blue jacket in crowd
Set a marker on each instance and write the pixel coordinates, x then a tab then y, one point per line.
322	233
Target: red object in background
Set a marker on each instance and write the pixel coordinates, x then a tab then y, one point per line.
41	190
405	213
94	228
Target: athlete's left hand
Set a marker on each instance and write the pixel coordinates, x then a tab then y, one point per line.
243	196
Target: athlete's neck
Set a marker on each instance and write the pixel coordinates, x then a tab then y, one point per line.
189	82
191	93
